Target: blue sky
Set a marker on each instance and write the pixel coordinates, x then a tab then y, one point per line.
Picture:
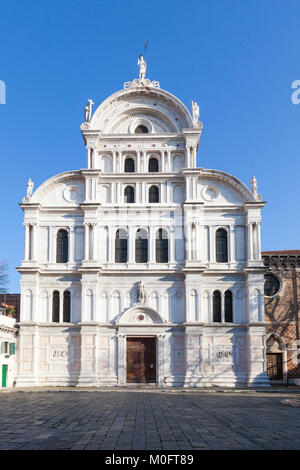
237	59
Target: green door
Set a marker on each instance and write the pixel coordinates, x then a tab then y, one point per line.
4	375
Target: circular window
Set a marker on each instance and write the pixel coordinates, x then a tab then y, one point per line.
141	130
272	285
141	317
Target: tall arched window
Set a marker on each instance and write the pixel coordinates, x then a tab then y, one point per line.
129	194
121	246
141	246
55	306
153	165
67	307
62	246
217	306
162	246
228	307
153	194
221	246
129	165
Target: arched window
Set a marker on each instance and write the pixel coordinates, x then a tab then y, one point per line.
129	165
162	246
141	130
62	246
129	194
121	246
228	307
153	165
221	246
217	306
141	246
55	306
153	194
67	307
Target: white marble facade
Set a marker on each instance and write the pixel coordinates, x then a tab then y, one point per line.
143	123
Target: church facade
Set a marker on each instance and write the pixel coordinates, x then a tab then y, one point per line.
142	267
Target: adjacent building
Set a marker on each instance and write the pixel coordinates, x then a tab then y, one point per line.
282	302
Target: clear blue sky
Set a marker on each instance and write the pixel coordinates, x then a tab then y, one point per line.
237	59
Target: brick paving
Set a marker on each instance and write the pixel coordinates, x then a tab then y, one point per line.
140	420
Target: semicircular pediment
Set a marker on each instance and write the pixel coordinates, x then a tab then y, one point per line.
140	315
165	111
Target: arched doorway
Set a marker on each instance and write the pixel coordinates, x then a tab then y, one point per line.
276	359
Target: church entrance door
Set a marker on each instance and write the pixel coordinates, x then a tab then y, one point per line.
141	360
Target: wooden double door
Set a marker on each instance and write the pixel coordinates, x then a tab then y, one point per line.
141	360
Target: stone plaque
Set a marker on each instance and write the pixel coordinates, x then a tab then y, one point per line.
222	353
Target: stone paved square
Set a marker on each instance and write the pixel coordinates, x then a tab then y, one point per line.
147	420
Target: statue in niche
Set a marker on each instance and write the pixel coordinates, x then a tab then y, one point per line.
142	66
88	110
141	293
195	111
30	186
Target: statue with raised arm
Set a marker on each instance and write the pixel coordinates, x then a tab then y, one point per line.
195	111
88	110
141	293
142	66
30	186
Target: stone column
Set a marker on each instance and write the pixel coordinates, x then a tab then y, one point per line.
250	241
71	254
121	359
34	242
172	245
114	161
231	243
169	161
27	242
160	362
86	241
61	306
138	162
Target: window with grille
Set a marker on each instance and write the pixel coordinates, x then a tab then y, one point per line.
217	306
129	194
162	246
221	246
62	246
121	247
272	285
141	247
55	306
129	165
153	194
153	165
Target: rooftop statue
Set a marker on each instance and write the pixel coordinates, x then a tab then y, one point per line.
88	111
142	66
30	186
195	111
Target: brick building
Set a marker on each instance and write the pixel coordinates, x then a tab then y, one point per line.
282	299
